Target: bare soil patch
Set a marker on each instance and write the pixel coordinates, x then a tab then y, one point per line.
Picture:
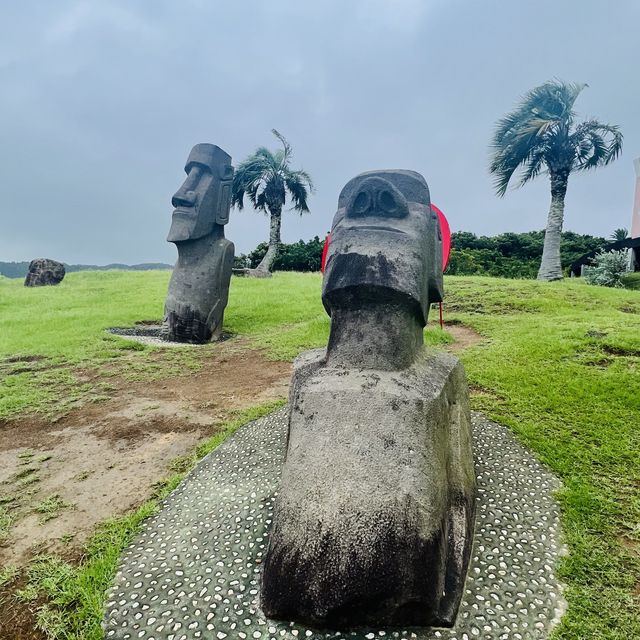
464	336
104	458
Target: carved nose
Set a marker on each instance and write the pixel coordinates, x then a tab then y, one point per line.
377	197
184	199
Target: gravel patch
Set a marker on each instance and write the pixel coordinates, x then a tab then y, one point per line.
193	571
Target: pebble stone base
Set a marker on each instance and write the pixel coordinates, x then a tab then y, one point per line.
152	335
193	571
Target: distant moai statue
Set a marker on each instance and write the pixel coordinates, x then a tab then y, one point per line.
44	272
199	287
373	521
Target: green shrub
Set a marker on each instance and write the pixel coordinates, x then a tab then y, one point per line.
607	269
631	281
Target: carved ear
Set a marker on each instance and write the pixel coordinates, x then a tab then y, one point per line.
224	194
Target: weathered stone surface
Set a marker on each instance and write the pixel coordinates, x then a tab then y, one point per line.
44	271
374	517
199	286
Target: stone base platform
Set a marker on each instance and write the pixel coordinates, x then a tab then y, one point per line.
155	335
193	571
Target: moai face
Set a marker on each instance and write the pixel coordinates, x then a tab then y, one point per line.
203	200
385	244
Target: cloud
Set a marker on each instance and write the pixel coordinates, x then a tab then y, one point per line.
87	15
103	100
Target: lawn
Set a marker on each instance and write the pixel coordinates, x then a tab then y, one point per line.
559	364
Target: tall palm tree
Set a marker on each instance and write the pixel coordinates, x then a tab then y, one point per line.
541	136
266	177
620	234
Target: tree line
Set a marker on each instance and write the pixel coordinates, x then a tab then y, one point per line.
507	255
19	269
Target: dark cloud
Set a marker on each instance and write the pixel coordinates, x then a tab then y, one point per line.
102	100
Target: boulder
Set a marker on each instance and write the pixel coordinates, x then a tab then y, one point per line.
44	272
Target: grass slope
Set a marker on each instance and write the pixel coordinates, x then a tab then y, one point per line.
50	335
562	369
559	365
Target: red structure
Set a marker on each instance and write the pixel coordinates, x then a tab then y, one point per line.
325	249
446	236
445	230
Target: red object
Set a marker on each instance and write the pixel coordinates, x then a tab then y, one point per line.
445	230
325	249
446	236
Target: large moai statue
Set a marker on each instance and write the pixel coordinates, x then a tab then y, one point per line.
373	520
199	287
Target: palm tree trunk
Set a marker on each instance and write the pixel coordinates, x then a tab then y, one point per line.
551	265
274	240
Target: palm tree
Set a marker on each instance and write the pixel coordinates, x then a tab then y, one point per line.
541	136
619	234
266	177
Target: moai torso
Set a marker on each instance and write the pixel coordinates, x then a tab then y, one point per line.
373	519
199	287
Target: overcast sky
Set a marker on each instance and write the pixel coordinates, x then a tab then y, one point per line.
101	101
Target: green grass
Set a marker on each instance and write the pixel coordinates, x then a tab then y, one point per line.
48	334
559	364
562	369
50	508
6	520
8	575
631	281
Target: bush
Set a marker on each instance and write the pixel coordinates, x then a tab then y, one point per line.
631	281
608	269
512	255
299	256
241	261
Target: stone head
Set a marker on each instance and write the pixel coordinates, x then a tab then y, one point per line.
386	244
202	202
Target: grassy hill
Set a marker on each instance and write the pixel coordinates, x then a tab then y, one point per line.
558	363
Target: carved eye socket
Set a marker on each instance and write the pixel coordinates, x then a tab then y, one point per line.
362	203
387	202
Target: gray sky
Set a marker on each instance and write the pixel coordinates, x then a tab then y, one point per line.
101	101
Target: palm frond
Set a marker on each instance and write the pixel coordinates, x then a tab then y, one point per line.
298	186
533	166
534	133
288	151
248	176
265	177
596	144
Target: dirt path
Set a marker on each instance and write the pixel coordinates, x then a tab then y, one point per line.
103	459
464	337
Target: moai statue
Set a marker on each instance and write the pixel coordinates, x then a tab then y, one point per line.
199	287
44	272
373	521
